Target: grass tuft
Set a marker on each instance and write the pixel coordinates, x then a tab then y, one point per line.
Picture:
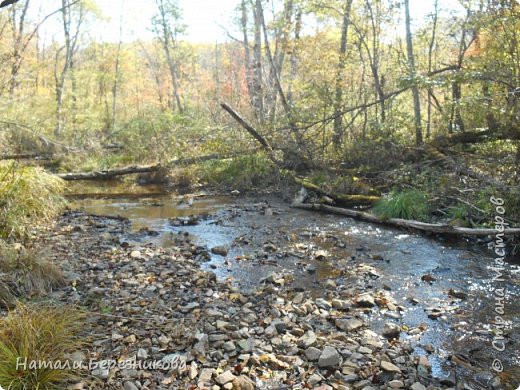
411	204
25	272
28	197
44	333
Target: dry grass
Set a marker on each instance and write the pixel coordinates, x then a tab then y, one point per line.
28	196
45	333
25	272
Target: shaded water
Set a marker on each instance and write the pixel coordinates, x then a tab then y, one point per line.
393	260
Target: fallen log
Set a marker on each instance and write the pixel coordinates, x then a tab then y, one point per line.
108	174
340	199
25	156
436	228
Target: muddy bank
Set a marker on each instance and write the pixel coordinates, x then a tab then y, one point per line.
319	318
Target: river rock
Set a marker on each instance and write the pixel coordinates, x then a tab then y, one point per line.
417	386
349	324
243	383
391	330
312	354
129	386
307	340
396	384
365	300
387	366
330	357
225	377
219	250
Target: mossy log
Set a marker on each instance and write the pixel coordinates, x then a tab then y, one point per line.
437	228
339	199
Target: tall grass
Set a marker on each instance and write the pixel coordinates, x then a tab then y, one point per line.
28	196
410	204
25	272
45	333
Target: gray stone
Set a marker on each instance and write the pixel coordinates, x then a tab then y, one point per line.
312	354
417	386
323	304
330	357
129	386
391	330
307	340
387	366
365	300
224	378
219	250
349	324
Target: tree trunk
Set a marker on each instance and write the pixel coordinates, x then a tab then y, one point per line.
294	56
338	94
258	95
413	72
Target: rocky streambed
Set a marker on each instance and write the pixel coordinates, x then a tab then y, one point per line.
248	293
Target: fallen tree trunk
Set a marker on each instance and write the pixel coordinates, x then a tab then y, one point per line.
436	228
111	173
26	156
340	199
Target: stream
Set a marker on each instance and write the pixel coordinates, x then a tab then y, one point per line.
265	238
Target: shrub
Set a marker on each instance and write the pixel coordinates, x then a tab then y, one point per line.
45	333
28	196
411	204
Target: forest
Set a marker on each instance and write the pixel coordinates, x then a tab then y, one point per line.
328	198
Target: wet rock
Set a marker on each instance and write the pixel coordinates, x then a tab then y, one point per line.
457	294
365	300
349	324
330	357
428	278
219	250
391	331
417	386
450	380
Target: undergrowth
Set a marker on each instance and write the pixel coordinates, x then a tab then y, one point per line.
43	333
28	197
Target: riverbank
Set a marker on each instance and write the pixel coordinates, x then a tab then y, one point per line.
157	305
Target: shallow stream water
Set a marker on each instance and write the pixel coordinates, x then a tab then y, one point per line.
265	236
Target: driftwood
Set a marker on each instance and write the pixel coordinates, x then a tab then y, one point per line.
340	199
111	173
436	228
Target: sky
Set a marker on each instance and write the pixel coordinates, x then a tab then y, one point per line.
206	19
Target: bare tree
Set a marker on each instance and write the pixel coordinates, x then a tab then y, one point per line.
167	25
413	73
72	23
338	94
